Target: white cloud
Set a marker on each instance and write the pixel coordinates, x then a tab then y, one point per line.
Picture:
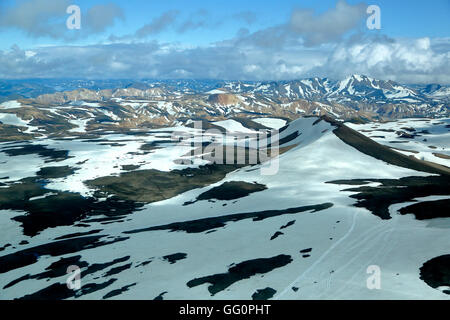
47	18
405	60
102	16
328	26
158	24
307	47
251	68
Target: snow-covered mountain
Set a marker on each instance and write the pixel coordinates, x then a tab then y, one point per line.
353	89
142	215
166	103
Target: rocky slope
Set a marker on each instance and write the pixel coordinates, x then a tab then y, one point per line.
168	103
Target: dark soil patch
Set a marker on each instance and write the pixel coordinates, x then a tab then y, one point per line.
29	256
276	235
118	269
118	291
378	199
130	167
290	223
154	185
59	291
264	294
78	234
241	271
406	135
13	133
230	190
59	268
207	224
152	146
287	139
399	149
428	209
60	209
160	296
55	172
442	156
436	272
95	267
173	258
56	269
41	150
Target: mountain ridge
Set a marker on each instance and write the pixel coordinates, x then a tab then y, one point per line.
171	103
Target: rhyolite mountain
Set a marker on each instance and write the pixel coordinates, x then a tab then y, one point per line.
41	107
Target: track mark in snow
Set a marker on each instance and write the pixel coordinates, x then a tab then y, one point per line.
300	277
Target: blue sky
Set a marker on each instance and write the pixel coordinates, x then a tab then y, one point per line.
294	38
406	18
400	18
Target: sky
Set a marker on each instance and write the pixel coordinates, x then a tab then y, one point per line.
228	40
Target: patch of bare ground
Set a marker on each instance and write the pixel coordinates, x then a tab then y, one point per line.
428	209
442	156
378	199
230	190
436	273
240	271
13	133
212	223
154	185
405	150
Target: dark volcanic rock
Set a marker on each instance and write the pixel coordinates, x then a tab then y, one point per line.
264	294
240	271
207	224
436	272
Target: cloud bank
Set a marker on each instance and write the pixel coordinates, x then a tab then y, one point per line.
409	61
330	44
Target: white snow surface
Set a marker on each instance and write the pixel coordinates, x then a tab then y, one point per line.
233	126
272	123
12	104
341	252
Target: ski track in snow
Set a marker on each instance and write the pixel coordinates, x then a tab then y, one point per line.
322	257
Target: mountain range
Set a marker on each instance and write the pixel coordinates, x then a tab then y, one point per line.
62	106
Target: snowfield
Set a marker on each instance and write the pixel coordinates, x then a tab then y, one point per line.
302	234
233	126
12	104
272	123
